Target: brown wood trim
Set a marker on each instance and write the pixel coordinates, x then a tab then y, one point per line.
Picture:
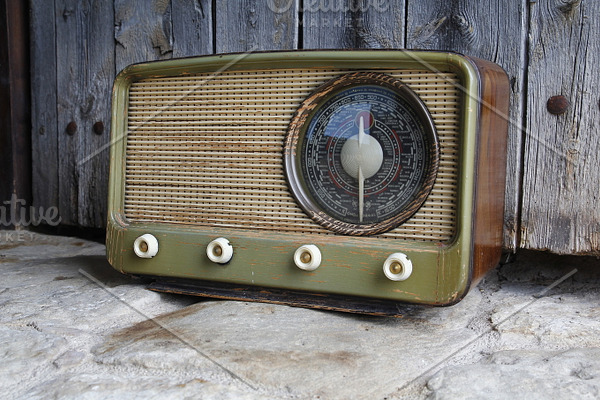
294	298
491	168
15	138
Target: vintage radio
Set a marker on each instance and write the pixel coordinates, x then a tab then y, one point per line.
346	180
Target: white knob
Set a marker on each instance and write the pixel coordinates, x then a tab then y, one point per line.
145	246
307	257
397	267
219	251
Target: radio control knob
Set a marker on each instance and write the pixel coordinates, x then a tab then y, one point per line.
145	246
307	257
397	267
219	251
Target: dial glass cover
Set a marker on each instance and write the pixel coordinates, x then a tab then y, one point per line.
361	154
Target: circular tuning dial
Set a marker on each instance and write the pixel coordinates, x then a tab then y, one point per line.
361	154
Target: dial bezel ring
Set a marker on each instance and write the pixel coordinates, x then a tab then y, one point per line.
296	135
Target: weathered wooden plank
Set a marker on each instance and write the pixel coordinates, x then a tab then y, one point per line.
252	25
15	145
353	24
6	138
85	71
143	31
561	184
67	76
44	134
493	30
192	27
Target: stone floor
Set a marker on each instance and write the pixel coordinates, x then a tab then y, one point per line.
72	327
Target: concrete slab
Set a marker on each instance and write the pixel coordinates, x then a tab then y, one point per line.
72	327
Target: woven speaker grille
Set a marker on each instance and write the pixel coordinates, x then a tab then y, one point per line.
208	150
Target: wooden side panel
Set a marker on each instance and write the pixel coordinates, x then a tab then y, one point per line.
253	25
491	171
353	24
491	30
561	183
44	133
85	71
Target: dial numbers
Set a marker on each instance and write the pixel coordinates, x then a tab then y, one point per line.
366	156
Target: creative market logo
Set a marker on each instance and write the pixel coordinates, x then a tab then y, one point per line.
14	213
284	6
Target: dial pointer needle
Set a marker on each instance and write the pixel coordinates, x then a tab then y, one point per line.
361	177
361	194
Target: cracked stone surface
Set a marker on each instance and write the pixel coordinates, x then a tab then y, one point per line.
524	332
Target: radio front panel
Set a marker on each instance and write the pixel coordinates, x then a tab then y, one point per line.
215	157
198	171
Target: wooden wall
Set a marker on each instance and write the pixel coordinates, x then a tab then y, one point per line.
15	145
548	48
